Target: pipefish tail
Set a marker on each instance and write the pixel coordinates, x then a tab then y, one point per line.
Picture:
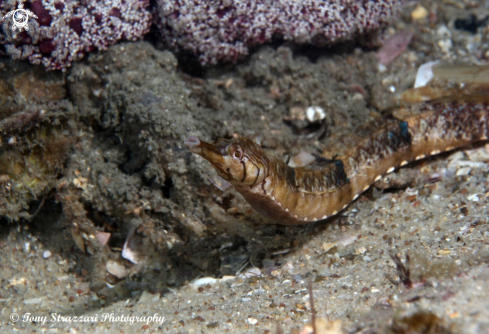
292	196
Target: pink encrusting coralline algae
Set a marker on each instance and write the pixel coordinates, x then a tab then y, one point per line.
223	30
67	29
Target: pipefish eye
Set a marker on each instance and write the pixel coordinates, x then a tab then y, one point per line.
237	154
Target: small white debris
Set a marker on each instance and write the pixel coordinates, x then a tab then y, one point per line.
479	154
464	229
17	281
245	299
434	177
347	240
281	252
80	182
474	197
47	254
196	283
425	74
411	191
224	246
252	321
203	281
358	97
445	45
97	92
33	301
315	113
456	156
302	159
382	68
128	252
463	171
444	32
349	212
116	269
466	163
327	246
12	141
360	250
251	272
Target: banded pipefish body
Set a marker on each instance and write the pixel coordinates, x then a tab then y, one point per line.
292	196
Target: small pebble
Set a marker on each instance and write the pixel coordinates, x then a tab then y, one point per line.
47	254
102	237
463	171
419	13
360	250
443	31
116	269
445	45
297	113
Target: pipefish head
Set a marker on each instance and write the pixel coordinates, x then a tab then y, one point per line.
239	161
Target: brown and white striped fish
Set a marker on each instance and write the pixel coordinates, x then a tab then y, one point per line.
293	196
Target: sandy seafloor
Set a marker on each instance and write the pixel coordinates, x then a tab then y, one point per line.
128	168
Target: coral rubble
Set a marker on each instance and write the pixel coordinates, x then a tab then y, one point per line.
224	30
36	131
65	30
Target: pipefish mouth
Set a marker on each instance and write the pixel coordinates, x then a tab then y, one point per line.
293	196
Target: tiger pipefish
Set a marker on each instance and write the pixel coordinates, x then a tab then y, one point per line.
292	196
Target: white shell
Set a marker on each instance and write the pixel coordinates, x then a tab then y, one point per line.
315	113
425	74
